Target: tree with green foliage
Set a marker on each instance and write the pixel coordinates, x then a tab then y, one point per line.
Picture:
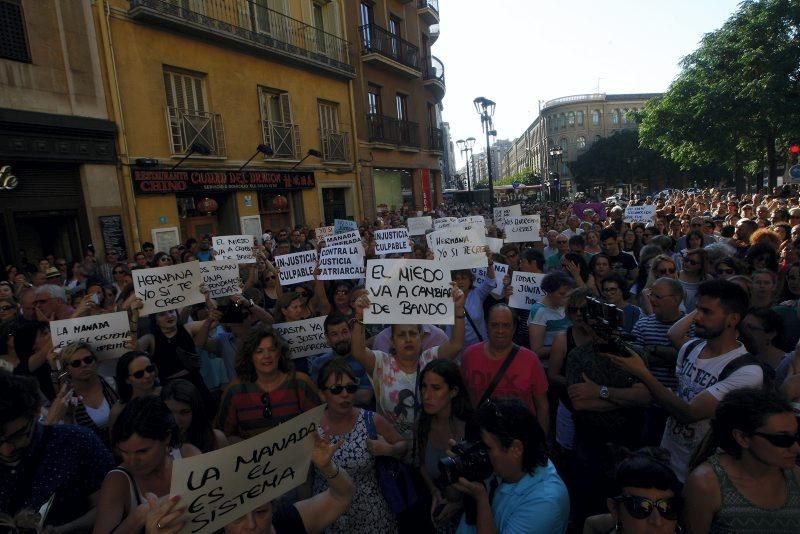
736	101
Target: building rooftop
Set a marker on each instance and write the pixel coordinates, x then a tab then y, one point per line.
589	97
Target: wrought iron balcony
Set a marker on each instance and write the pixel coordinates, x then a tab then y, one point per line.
187	127
379	45
428	10
433	33
388	130
335	145
283	137
250	24
435	140
433	74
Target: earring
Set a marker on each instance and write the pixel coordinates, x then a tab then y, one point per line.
618	527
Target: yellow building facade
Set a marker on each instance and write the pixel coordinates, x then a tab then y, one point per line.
199	87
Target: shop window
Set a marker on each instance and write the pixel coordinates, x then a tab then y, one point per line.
14	41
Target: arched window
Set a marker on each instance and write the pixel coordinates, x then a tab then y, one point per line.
615	117
595	117
563	121
625	116
580	142
571	118
580	118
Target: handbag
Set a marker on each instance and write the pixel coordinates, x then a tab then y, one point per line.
394	477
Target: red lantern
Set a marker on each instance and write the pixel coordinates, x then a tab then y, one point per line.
280	203
207	206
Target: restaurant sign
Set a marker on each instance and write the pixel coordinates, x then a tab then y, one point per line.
156	181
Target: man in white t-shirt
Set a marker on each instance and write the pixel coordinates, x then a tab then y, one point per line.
702	380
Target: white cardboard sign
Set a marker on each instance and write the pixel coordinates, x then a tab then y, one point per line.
223	485
392	241
221	277
501	213
408	292
458	248
341	262
443	222
235	247
347	238
494	244
419	225
306	337
500	270
527	290
322	232
297	267
522	229
168	288
341	226
107	333
642	214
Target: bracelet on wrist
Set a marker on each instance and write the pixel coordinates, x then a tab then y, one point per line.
336	474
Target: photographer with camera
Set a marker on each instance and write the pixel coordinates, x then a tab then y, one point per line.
525	493
614	290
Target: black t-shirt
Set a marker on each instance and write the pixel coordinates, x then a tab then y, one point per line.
622	263
287	520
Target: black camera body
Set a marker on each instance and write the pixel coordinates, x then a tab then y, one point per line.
470	460
232	313
606	320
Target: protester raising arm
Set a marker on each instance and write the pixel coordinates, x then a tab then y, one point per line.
678	333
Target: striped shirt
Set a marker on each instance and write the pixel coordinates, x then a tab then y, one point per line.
650	331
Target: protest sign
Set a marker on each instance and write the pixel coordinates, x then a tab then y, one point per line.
522	229
418	225
322	232
392	241
305	338
346	238
107	334
341	226
168	288
297	267
500	270
527	290
642	214
473	221
494	244
221	277
408	292
341	262
443	222
501	213
235	247
221	486
458	248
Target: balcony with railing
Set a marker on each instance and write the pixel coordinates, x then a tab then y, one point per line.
433	76
435	140
433	33
283	137
388	51
187	127
391	131
335	145
249	25
428	10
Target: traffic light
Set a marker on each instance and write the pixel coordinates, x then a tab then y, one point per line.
794	152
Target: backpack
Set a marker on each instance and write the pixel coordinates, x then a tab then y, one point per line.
744	360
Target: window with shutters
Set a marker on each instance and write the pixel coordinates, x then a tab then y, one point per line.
13	38
189	119
595	117
334	142
280	132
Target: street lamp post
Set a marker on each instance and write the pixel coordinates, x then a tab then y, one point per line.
466	146
556	153
485	109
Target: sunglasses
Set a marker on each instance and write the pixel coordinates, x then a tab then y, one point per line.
270	277
666	271
784	441
87	360
338	388
150	369
265	400
641	507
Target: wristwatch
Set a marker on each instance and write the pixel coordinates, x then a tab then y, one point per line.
604	392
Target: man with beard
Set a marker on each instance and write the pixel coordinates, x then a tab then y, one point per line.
337	332
706	370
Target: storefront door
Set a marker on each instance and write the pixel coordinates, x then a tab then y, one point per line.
197	227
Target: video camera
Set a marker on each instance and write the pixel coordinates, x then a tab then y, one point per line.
470	460
606	320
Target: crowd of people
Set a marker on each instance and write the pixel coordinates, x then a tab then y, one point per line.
655	387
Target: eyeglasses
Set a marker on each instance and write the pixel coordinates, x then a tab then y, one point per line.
150	369
784	441
19	436
691	262
641	507
342	291
265	400
726	271
7	308
338	388
87	360
666	271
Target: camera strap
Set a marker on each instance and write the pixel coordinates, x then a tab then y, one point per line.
500	372
472	324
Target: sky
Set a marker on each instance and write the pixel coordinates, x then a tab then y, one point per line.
517	52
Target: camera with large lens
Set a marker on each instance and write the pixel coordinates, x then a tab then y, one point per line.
606	320
470	460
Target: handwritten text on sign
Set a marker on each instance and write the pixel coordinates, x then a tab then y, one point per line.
341	262
527	290
235	247
408	292
394	240
522	229
458	248
418	225
297	267
107	334
347	238
643	214
221	277
443	222
500	214
341	226
168	288
500	271
322	232
305	338
221	486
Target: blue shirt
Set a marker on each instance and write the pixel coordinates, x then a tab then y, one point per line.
537	504
474	307
66	460
358	369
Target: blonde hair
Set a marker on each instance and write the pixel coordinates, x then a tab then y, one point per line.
69	351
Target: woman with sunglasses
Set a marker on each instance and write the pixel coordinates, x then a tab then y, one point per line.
84	397
162	259
745	478
355	427
267	390
191	416
727	267
340	298
135	377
